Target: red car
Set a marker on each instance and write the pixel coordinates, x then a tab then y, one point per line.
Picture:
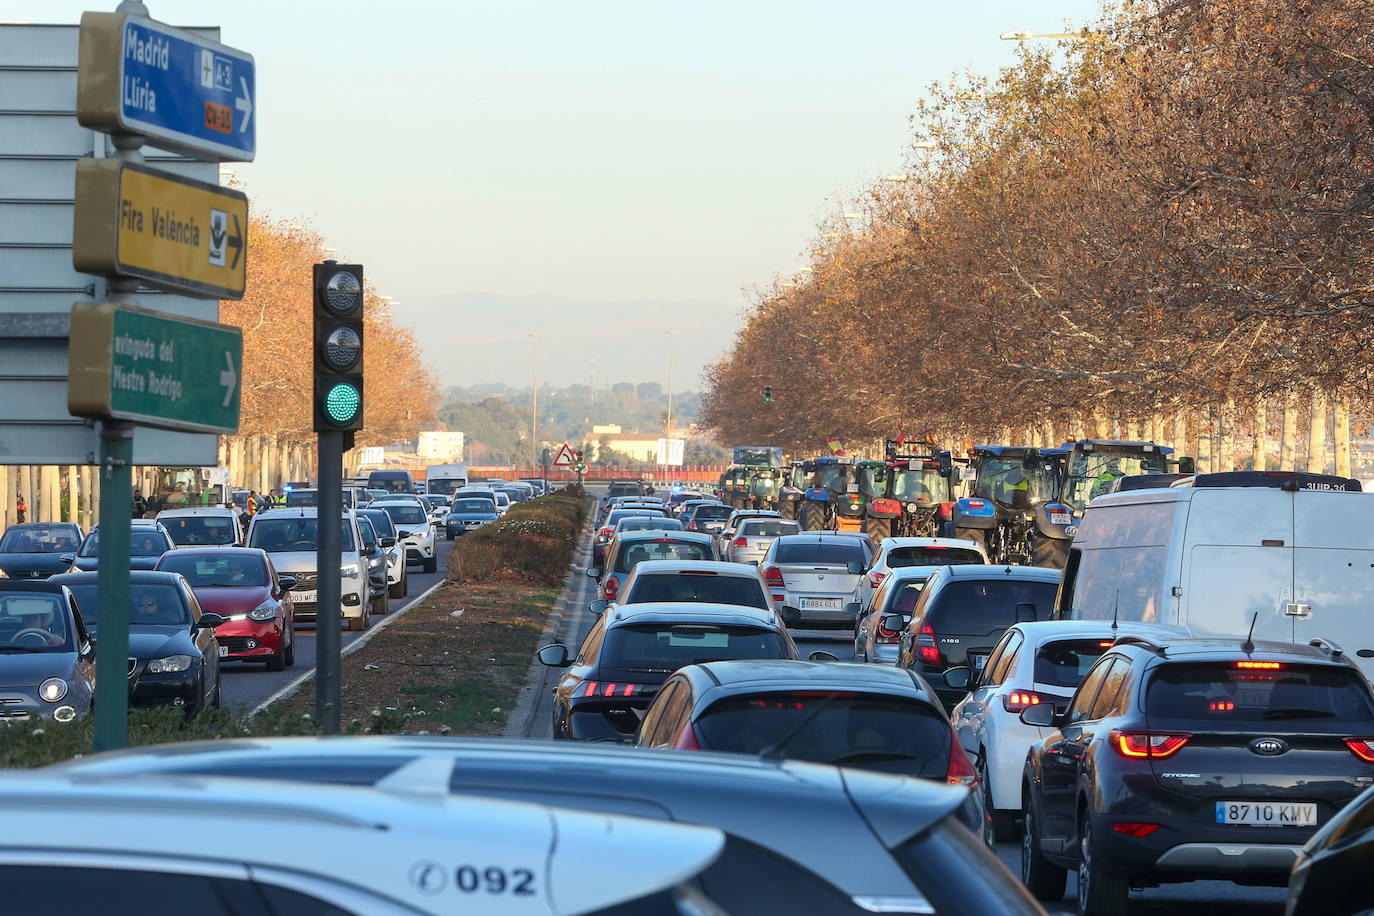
240	585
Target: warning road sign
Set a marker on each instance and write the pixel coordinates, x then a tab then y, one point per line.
565	457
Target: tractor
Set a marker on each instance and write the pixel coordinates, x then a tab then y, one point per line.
764	486
851	508
915	498
184	488
828	481
1012	488
792	490
734	487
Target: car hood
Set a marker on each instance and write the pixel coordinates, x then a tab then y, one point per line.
157	641
32	565
231	600
27	669
288	562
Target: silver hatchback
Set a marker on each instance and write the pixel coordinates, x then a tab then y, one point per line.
754	536
817	580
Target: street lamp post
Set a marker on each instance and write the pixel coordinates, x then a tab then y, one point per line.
672	345
534	403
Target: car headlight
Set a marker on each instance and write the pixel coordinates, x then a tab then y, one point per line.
350	570
169	665
53	689
265	611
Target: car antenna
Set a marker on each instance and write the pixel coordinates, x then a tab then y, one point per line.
1116	611
1249	645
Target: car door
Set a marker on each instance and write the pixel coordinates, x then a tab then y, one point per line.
1059	763
972	714
205	642
582	666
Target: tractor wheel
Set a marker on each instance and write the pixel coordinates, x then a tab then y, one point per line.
787	509
878	529
1051	553
812	517
973	534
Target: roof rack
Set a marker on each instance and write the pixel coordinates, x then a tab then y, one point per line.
1144	642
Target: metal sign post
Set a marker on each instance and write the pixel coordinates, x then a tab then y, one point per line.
328	619
112	642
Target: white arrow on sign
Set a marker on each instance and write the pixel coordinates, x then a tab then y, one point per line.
228	378
244	103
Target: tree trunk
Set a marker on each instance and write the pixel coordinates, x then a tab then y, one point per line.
1289	439
1316	434
1260	446
1342	435
6	498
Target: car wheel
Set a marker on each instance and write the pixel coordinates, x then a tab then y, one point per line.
216	697
276	661
379	605
291	648
431	564
397	590
1044	879
1099	894
1003	822
449	534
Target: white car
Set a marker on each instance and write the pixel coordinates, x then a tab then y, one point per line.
204	526
291	537
896	552
709	581
125	838
1033	663
502	502
413	529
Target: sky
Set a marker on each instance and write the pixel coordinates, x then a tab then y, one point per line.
597	173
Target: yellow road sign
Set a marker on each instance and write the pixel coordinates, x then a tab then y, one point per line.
171	232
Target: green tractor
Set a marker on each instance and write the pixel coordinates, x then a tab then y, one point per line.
765	486
851	508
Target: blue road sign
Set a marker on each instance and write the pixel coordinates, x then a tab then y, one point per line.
186	93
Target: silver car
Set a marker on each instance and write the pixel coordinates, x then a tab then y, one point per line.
817	580
754	536
897	594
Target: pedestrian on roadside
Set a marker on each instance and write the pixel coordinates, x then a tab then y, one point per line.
252	503
21	510
140	504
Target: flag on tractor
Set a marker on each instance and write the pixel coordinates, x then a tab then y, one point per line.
834	444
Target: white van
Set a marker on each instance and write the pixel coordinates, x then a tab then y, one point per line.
1211	557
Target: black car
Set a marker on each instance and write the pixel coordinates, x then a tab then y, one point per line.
1322	882
873	717
963	612
800	837
1192	759
34	550
47	661
147	544
632	649
707	517
173	653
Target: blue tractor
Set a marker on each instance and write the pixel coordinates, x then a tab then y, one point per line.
1013	504
827	482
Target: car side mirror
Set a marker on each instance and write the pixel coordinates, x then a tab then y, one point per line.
287	582
67	558
822	657
854	568
1041	715
593	572
598	607
388	543
753	562
894	622
555	656
210	620
958	678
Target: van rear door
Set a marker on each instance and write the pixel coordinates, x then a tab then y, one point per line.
1333	571
1238	557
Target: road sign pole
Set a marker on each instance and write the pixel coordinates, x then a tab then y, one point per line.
112	643
328	558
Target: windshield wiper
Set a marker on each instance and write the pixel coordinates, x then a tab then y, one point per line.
1297	714
778	751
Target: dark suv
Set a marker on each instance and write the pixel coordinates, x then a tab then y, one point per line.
963	612
1192	759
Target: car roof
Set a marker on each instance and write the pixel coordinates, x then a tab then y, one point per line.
316	821
691	612
1042	631
143	576
817	537
33	585
1003	571
783	674
1214	649
719	567
198	510
903	541
23	525
233	550
1018	451
896	573
665	534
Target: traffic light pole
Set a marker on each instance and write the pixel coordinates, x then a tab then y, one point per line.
328	559
112	642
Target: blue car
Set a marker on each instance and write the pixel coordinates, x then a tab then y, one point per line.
147	543
467	513
34	550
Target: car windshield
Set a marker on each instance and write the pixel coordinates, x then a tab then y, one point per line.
1065	662
1092	473
659	549
991	603
33	622
143	542
216	570
1227	696
831	476
150	604
766	487
617	514
831	552
285	535
1017	482
406	514
921	487
932	555
870	731
303	498
474	506
656	647
446	485
391	483
698	587
767	529
381	522
40	539
711	513
201	530
872	481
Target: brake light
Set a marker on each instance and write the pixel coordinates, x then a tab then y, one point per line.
925	646
773	575
605	533
740	542
1154	745
1362	748
876	579
960	771
885	634
608	689
1266	666
612	586
688	740
1135	828
1017	700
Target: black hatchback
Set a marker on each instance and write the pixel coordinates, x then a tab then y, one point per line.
1192	759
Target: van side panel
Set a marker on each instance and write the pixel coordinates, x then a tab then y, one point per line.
1229	574
1125	561
1333	571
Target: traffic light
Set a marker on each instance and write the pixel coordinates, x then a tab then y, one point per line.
768	394
578	464
338	347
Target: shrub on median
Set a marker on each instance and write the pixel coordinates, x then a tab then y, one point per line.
533	543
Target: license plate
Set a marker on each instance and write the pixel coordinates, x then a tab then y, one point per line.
820	604
978	659
303	597
223	651
1060	518
1267	814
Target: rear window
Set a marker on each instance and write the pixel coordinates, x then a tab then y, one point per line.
669	646
302	497
660	549
872	731
833	552
696	588
932	556
975	605
902	598
634	523
1223	694
768	529
711	512
478	506
617	514
202	529
624	489
1065	662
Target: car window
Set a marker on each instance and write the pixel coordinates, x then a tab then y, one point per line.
405	514
34	620
474	506
904	597
1010	647
40	539
1312	697
369	537
634	552
155	604
144	541
287	535
216	570
1065	662
1087	693
712	513
381	522
755	528
49	890
832	552
654	647
697	587
971	604
1112	685
201	530
591	644
898	557
672	712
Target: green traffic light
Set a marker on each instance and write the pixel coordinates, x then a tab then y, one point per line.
342	402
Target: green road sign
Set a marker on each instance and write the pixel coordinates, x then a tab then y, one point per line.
126	363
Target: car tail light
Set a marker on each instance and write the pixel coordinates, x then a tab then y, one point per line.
960	771
886	505
1156	745
688	740
607	689
925	646
1017	700
1262	666
1362	748
886	635
612	586
740	542
773	576
605	534
876	579
1135	828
